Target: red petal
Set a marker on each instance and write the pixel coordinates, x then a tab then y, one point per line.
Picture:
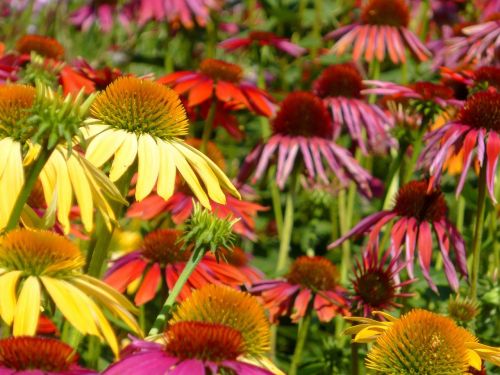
149	285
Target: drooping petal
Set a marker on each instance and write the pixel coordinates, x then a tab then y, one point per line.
27	308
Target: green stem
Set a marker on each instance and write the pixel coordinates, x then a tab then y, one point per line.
30	182
211	36
417	147
301	340
278	212
346	245
164	314
286	234
318	13
334	218
478	232
354	358
392	182
460	213
208	127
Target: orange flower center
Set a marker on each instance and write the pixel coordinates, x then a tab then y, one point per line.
162	246
413	200
375	287
482	110
220	70
386	12
316	273
36	353
15	103
204	341
489	75
42	45
339	80
429	90
303	114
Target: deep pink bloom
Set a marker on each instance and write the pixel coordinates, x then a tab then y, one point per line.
382	30
340	86
476	128
310	279
100	12
263	38
303	132
10	64
417	213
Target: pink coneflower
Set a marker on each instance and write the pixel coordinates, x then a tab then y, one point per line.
161	254
263	38
476	128
100	12
302	138
416	214
310	278
383	28
375	284
340	88
473	80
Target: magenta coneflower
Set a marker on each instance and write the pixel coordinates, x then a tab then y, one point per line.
383	28
375	284
302	138
477	128
340	86
417	213
310	278
100	12
262	38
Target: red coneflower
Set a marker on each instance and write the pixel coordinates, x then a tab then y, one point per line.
304	127
416	214
310	278
238	259
161	254
340	86
383	28
42	45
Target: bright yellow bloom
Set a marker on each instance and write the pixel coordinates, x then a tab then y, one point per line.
144	120
35	264
420	342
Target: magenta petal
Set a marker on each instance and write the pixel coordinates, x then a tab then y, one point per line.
155	362
492	152
241	368
425	251
188	366
444	245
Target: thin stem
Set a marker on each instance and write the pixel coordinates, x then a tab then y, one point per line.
301	340
392	182
164	314
211	36
278	212
346	245
354	358
208	127
460	213
318	13
417	147
478	232
30	182
286	234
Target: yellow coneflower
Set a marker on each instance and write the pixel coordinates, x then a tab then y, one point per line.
144	120
420	342
38	263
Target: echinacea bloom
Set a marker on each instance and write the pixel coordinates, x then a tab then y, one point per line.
262	38
96	11
239	259
375	283
479	79
462	309
302	136
383	29
417	213
139	119
340	86
41	45
161	256
476	127
311	281
221	81
420	342
41	267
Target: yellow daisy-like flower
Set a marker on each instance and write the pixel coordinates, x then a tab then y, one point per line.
37	267
144	120
420	342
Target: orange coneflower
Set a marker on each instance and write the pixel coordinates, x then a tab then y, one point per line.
42	45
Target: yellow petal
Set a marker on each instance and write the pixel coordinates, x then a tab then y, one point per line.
8	286
63	187
11	182
474	359
82	190
166	178
103	146
27	308
5	145
90	129
124	157
199	162
368	334
149	166
389	318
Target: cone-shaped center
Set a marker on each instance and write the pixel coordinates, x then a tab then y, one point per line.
482	110
339	80
162	246
386	12
220	70
414	200
489	75
375	287
316	273
42	45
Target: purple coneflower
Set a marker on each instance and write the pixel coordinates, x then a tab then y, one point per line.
100	12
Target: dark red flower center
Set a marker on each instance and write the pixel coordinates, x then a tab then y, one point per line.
261	36
236	256
339	80
37	197
482	110
489	75
303	114
204	341
162	246
316	273
386	12
220	70
36	353
429	90
42	45
374	287
414	200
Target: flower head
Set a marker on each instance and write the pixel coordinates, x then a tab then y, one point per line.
462	310
16	102
339	80
262	38
41	45
315	273
386	12
414	200
220	70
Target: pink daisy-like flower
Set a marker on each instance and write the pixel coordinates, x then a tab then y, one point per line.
476	128
416	214
194	348
263	38
161	254
340	86
302	138
100	12
310	278
376	285
382	29
478	79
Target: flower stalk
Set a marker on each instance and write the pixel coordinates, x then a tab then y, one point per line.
301	341
286	234
208	126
